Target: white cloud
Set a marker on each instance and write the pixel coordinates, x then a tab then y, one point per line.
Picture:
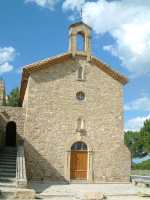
135	124
19	71
6	67
139	104
72	17
72	5
7	54
128	23
44	3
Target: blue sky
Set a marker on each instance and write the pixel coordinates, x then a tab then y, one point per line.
33	30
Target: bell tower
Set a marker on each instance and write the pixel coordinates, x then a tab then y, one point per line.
84	30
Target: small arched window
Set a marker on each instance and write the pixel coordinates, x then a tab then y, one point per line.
80	74
80	124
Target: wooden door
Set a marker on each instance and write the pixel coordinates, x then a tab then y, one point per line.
78	165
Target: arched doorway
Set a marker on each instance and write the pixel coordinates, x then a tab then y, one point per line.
10	139
78	161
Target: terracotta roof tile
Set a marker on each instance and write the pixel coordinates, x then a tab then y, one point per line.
60	58
109	70
38	66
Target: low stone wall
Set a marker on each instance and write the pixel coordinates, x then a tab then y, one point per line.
141	183
21	179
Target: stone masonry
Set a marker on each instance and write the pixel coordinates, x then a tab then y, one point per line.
48	118
49	128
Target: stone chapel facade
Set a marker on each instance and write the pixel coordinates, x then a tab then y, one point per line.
72	121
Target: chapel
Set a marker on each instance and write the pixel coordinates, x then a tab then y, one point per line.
71	120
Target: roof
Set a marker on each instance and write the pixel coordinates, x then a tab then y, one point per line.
63	57
79	23
109	70
38	66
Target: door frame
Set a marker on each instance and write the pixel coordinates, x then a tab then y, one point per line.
85	140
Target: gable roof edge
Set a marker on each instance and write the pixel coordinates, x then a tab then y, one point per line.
110	71
34	67
78	23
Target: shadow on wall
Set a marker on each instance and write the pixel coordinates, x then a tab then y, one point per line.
38	168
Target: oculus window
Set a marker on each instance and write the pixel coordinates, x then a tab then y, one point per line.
80	96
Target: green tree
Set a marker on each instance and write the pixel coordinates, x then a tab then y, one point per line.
145	165
144	135
135	144
13	97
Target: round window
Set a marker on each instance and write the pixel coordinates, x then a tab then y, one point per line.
80	96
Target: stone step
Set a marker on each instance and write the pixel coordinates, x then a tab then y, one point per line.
9	147
7	159
7	192
11	170
2	166
8	163
9	151
5	153
8	184
7	179
8	174
8	154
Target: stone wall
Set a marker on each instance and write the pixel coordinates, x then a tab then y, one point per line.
15	114
2	94
51	121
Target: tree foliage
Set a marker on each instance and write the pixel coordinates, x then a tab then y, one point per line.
134	144
13	97
144	135
139	142
145	165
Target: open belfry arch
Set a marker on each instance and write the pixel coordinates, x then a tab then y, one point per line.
83	30
71	122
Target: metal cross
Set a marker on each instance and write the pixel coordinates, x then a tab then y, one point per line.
81	14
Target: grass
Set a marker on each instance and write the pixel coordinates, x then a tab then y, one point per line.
141	172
